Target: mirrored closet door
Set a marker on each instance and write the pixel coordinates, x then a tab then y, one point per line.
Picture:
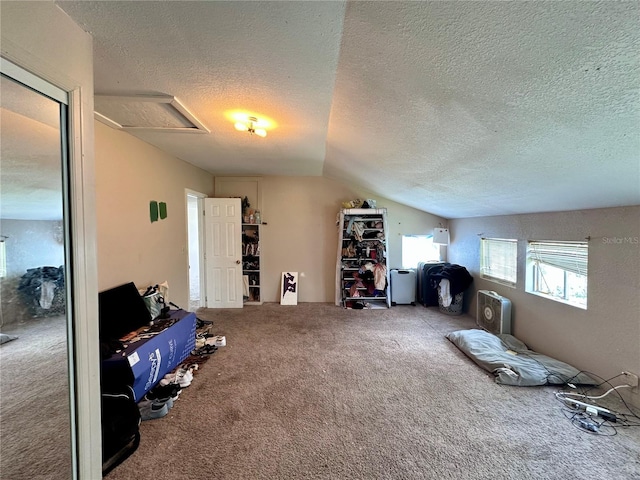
36	354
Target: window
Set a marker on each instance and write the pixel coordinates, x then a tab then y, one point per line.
418	248
499	260
558	271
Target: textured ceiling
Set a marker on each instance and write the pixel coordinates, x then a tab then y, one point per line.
456	108
273	59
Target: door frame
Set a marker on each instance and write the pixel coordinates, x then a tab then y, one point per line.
41	39
200	225
80	270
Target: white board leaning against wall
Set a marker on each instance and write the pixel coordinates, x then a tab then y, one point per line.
289	294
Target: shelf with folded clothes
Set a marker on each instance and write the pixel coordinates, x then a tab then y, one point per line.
365	229
367	297
362	259
254	296
363	240
357	264
375	292
251	264
359	287
253	277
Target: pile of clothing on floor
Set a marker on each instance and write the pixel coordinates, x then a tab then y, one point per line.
43	292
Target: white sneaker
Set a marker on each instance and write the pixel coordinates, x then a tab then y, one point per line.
219	341
181	377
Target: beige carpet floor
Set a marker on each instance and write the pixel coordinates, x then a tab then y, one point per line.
35	440
314	391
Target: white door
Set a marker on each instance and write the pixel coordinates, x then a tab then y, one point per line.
223	252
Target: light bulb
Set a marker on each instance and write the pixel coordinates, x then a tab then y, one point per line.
260	132
241	126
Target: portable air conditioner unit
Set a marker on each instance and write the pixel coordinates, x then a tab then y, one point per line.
494	312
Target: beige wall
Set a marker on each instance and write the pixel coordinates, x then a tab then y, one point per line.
32	244
605	338
129	174
301	233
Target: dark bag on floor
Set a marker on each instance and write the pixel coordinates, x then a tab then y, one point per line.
120	428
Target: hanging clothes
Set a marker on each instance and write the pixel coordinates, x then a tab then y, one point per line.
358	231
380	276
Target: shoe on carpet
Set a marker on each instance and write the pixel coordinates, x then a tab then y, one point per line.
181	376
217	341
163	391
150	410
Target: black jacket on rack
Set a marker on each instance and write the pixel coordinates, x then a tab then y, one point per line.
458	276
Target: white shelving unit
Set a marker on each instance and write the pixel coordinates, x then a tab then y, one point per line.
251	261
362	246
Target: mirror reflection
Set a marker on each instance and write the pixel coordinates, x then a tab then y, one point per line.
35	432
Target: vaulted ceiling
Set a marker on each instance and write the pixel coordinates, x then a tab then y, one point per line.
456	108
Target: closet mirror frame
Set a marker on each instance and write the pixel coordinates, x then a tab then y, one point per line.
42	87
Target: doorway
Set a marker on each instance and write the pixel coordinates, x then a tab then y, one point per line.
195	250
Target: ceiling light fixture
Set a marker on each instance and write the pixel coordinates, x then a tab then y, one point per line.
249	125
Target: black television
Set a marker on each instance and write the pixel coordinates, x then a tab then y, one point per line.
121	310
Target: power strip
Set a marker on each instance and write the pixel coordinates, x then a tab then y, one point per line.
592	409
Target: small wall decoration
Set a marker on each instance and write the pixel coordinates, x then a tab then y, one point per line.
157	210
153	211
289	288
162	206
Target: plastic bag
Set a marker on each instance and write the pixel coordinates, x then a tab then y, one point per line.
154	299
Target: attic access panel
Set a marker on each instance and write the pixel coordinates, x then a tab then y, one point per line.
146	112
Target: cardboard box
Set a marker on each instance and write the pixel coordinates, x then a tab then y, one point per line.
144	363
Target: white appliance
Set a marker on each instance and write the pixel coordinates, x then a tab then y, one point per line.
494	312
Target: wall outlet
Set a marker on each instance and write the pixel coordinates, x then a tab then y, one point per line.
630	379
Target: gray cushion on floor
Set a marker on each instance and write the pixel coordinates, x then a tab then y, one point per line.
4	338
511	361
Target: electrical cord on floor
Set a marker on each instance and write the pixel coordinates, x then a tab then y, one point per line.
584	422
631	411
588	415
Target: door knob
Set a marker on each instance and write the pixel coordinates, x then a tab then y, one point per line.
238	262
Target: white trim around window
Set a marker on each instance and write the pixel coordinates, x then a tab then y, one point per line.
557	270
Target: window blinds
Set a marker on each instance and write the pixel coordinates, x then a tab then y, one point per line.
569	256
498	260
